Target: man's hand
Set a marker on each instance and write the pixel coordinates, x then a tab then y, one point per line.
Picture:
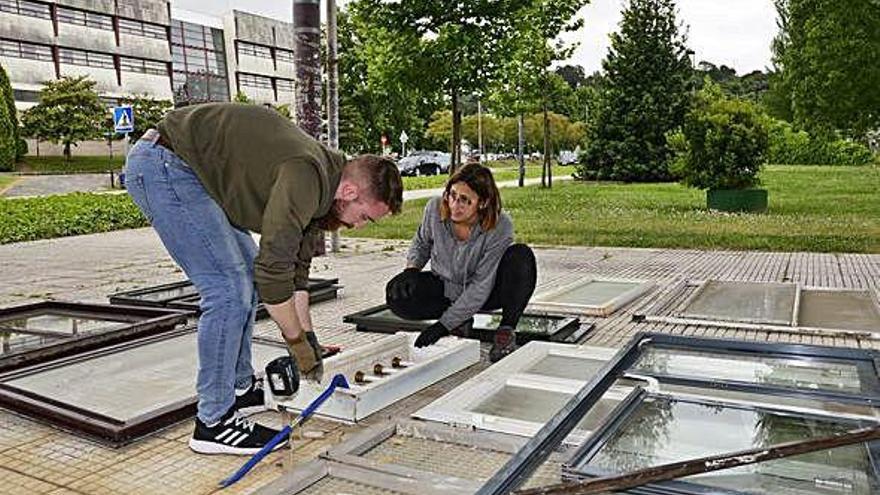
403	285
306	351
431	335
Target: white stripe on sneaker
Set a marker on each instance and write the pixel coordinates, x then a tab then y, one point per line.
226	432
231	438
242	437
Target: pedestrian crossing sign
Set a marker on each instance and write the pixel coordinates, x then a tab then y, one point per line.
123	119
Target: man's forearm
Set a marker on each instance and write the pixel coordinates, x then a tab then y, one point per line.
301	304
287	318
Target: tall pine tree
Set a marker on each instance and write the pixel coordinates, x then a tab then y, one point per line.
8	124
644	96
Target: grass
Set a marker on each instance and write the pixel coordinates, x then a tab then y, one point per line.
6	181
819	209
78	164
502	171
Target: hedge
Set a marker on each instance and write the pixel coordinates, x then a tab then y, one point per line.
65	215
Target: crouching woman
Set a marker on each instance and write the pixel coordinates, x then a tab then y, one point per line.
474	264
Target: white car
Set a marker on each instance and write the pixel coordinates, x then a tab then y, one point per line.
424	163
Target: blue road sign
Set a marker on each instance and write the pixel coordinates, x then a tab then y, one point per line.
123	119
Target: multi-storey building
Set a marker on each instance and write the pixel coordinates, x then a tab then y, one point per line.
133	47
121	44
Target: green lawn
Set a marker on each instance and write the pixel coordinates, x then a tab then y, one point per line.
78	164
6	180
825	209
502	171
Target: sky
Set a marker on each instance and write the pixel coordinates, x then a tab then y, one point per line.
734	33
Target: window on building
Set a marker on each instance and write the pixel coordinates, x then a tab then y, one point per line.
129	64
20	49
26	7
199	64
254	81
284	55
145	29
284	85
83	18
254	50
84	58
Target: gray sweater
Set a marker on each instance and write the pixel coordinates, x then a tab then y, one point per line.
467	268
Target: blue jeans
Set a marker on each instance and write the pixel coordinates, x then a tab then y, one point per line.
216	256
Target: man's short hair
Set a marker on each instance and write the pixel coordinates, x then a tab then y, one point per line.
382	178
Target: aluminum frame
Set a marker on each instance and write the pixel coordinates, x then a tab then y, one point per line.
304	476
568	329
544	302
667	307
575	469
866	361
320	289
108	430
513	474
142	322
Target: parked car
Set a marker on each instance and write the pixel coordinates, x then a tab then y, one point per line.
424	163
568	157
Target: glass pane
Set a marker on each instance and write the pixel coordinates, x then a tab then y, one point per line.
663	430
13	341
810	374
744	301
570	367
124	385
538	406
852	310
593	293
62	323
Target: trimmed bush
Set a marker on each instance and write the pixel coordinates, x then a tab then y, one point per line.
65	215
791	147
722	143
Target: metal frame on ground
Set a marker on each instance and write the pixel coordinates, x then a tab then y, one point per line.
140	322
104	428
555	431
567	329
544	301
670	306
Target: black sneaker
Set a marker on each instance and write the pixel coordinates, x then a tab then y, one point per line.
233	434
252	400
504	344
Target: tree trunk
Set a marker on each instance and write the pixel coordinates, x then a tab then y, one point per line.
546	169
456	133
67	152
332	95
307	33
520	148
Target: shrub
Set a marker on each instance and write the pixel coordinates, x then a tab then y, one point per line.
722	143
793	147
65	215
21	148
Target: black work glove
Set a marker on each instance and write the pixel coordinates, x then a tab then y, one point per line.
431	335
403	285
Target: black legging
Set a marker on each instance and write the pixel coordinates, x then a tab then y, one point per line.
514	284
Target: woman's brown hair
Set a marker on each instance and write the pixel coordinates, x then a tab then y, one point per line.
478	178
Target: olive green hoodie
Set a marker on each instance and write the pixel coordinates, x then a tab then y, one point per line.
268	176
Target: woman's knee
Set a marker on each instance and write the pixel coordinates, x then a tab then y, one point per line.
519	258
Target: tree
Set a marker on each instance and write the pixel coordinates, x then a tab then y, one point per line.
11	112
381	91
828	56
574	75
69	111
8	141
463	44
645	95
148	112
527	77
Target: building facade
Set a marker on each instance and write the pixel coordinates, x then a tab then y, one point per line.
146	47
